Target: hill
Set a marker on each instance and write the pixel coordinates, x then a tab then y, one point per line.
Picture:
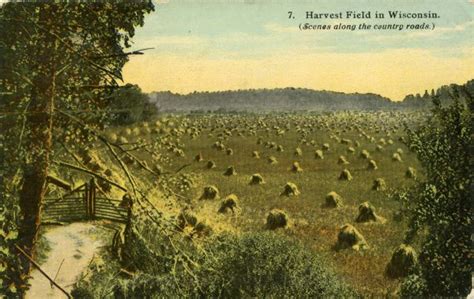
266	100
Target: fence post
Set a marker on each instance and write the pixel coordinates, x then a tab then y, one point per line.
130	212
86	199
92	199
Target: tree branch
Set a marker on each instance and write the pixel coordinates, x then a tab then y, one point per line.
61	163
42	272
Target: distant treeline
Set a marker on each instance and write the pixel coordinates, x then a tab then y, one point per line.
445	94
297	99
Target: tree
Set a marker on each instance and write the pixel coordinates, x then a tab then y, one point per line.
426	95
129	104
57	60
442	203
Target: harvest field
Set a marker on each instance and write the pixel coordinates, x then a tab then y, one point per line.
308	150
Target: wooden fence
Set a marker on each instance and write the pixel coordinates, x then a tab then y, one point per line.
86	202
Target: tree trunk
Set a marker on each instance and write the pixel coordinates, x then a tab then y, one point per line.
39	126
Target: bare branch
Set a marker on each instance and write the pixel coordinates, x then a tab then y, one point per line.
61	163
42	272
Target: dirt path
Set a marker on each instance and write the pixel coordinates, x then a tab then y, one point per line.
76	244
471	295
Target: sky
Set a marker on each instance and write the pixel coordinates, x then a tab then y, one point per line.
230	44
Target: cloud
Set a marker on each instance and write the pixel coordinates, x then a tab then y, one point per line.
277	28
173	40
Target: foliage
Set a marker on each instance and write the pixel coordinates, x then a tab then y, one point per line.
443	94
442	203
9	265
267	265
129	105
257	265
414	286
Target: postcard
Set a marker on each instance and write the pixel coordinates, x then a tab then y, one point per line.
236	149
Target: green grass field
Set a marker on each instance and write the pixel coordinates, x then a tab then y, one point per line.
179	139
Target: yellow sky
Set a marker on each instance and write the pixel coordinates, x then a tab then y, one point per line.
391	73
